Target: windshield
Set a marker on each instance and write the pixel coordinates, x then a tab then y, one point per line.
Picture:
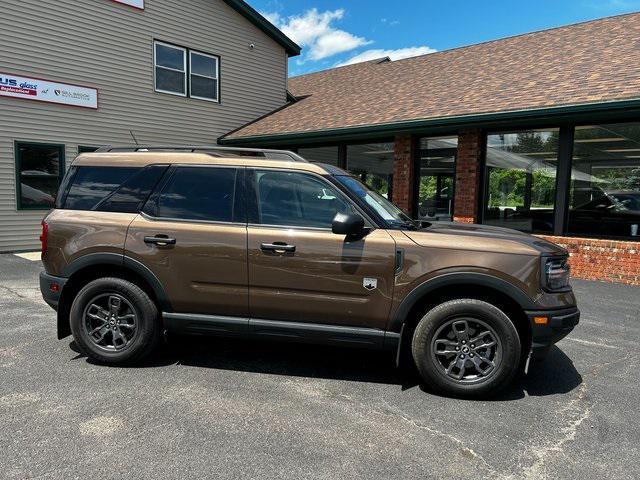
383	207
627	201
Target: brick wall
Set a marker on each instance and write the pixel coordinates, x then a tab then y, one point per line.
470	150
606	260
403	157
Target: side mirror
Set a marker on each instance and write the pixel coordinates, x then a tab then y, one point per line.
349	224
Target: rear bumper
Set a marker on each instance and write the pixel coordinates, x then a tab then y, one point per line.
51	288
559	324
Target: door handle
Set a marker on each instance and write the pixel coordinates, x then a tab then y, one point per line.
160	240
277	247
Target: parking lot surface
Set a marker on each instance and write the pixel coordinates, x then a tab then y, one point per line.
228	409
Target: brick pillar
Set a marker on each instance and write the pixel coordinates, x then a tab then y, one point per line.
470	150
403	162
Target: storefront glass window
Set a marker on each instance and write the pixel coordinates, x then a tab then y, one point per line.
372	163
436	170
328	155
39	169
521	180
605	181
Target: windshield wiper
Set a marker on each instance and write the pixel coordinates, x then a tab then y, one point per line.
409	224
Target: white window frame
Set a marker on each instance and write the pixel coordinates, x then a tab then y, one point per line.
156	66
216	78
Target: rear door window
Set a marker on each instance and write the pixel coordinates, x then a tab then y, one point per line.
197	193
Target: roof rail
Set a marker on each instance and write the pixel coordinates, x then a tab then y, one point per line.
214	150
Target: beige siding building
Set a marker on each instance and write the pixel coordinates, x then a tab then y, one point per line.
171	72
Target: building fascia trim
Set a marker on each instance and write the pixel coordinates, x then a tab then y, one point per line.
454	121
248	12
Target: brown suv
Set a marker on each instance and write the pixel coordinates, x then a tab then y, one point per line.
264	244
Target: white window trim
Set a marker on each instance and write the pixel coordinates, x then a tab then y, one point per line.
216	78
156	66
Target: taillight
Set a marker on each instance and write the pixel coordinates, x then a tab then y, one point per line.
44	236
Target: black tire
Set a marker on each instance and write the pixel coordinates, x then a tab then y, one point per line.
438	344
130	341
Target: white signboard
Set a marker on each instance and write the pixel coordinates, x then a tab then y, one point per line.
45	91
133	3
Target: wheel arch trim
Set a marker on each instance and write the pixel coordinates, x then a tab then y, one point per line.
457	278
128	263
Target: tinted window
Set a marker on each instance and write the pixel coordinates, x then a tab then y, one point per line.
132	194
521	180
38	168
605	181
91	185
198	193
296	199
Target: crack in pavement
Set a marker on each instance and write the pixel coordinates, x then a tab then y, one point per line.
13	292
569	431
390	411
577	415
452	438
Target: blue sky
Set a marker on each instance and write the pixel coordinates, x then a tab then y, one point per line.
335	32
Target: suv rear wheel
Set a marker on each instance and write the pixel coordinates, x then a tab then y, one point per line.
114	321
466	347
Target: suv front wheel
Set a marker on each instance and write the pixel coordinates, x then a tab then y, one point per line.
114	321
466	347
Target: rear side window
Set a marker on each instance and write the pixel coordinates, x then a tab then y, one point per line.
198	193
134	191
91	185
110	189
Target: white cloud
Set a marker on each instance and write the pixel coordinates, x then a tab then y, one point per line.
273	17
315	31
398	54
392	23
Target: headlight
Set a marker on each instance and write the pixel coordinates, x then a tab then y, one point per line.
555	274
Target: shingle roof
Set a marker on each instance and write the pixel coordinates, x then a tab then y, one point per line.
596	61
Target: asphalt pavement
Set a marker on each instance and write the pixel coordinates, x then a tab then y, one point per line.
213	408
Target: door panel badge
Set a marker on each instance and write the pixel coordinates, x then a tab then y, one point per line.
370	283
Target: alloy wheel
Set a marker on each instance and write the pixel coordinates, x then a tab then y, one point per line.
110	321
466	350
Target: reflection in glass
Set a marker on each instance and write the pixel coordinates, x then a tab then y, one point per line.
328	155
170	66
39	174
605	181
435	143
297	200
91	185
199	193
437	157
372	163
521	178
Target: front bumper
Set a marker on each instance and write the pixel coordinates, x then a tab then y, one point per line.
51	288
558	325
